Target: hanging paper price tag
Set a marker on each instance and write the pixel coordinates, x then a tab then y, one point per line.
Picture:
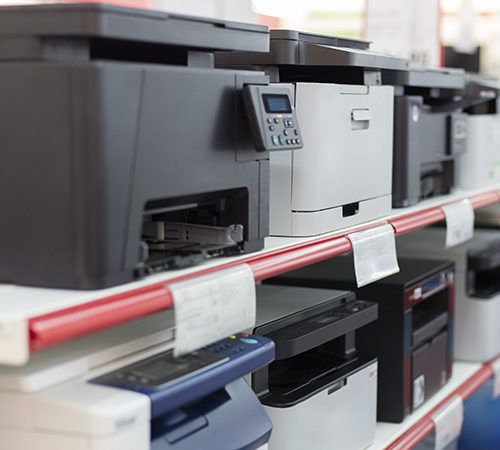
448	422
374	254
213	306
459	222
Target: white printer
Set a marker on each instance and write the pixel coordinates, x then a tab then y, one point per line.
320	392
477	286
480	164
121	389
342	176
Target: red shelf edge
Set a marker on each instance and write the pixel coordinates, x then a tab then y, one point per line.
70	323
430	216
66	324
421	429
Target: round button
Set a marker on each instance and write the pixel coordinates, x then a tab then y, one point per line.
249	341
285	132
271	127
276	121
269	120
296	132
297	140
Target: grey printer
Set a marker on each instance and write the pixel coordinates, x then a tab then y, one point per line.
430	131
124	151
342	177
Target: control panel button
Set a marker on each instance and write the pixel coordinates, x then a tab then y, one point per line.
297	141
271	127
285	132
296	132
249	341
289	123
282	139
269	120
276	121
275	140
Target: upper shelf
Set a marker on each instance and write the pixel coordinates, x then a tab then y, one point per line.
32	319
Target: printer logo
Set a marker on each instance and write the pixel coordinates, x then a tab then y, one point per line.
124	422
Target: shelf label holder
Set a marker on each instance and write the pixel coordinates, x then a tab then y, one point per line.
459	222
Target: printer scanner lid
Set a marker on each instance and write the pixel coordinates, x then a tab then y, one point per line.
427	77
291	47
92	20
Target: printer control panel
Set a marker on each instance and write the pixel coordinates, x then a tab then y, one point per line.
272	117
164	370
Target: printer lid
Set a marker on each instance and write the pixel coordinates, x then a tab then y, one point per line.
291	47
280	306
91	20
427	77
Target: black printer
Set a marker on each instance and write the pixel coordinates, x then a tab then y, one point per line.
124	151
413	336
430	131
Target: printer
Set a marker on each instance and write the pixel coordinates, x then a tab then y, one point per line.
430	130
477	288
342	177
124	151
413	336
121	389
480	164
320	392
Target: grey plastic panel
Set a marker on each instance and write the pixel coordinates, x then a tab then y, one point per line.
116	22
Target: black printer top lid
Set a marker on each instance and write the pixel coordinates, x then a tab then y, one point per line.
87	20
427	77
292	47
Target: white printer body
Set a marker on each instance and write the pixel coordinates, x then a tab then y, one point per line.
477	297
51	404
342	175
480	164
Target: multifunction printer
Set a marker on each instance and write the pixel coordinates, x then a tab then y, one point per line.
121	389
413	336
430	132
124	151
342	177
480	164
477	286
320	392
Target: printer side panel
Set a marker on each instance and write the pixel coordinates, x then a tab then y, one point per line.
36	173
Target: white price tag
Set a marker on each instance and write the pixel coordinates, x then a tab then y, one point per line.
374	254
448	422
459	222
213	306
495	365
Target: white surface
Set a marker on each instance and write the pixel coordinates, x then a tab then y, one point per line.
343	420
213	306
480	164
374	254
386	433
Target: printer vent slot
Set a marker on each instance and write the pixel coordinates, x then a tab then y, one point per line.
133	51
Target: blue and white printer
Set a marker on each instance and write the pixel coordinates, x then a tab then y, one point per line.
121	389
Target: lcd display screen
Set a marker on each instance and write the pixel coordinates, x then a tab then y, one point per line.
275	103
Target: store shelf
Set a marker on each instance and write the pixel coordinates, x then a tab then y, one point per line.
32	319
466	379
